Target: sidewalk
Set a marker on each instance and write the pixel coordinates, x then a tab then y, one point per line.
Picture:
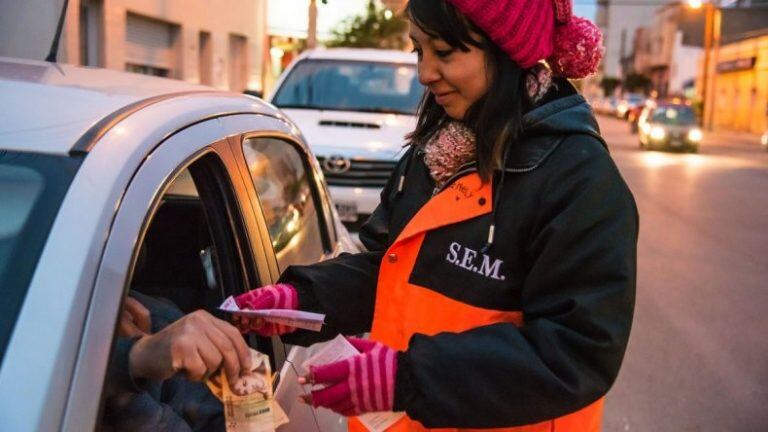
732	140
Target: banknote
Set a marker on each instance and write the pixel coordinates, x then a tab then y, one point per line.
249	405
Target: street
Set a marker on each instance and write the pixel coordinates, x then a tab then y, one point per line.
697	354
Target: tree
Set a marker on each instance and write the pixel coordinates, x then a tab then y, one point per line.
637	82
609	84
376	28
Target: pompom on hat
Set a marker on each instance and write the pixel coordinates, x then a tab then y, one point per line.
533	30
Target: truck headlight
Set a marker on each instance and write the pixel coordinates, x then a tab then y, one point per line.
695	135
658	133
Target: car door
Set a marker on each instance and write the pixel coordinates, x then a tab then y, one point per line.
181	232
287	186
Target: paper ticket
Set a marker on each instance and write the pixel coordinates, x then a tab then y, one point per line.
340	349
292	318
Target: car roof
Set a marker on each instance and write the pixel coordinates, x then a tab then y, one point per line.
49	107
362	54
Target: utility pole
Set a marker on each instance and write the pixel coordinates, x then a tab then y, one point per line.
712	27
312	27
709	107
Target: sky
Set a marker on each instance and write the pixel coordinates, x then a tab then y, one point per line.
289	17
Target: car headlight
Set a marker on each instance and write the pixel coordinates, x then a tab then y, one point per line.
764	139
695	135
658	133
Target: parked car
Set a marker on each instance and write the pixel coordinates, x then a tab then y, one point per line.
628	103
354	106
112	181
608	106
669	126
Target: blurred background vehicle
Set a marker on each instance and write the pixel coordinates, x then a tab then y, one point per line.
629	102
608	106
633	115
354	107
669	126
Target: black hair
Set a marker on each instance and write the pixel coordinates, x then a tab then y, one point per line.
496	118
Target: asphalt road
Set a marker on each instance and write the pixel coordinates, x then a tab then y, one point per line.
698	353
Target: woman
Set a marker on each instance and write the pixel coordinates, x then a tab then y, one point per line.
499	282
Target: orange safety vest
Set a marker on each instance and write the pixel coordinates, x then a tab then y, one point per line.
403	309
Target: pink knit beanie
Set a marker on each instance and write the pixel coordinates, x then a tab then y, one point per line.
533	30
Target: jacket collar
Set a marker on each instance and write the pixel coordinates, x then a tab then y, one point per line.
546	127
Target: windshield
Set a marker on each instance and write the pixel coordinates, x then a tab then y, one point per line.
674	115
32	187
351	86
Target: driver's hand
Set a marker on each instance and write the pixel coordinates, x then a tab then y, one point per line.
135	319
196	345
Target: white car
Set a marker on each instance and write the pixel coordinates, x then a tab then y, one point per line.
354	106
111	182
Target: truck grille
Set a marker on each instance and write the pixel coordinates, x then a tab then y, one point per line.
366	173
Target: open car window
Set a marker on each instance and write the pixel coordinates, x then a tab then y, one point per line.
194	254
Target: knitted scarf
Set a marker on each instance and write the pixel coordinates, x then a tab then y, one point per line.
453	145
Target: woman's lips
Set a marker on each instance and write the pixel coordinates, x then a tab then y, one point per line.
443	98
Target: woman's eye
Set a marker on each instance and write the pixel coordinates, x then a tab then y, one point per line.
444	53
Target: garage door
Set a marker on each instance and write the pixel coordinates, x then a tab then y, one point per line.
150	45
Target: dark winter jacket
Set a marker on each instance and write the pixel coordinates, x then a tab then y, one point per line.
566	231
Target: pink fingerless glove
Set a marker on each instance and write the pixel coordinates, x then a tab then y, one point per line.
278	296
359	384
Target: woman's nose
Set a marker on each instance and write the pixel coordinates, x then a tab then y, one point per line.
428	72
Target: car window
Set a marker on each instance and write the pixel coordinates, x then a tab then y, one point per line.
194	254
281	178
189	254
32	187
674	115
351	86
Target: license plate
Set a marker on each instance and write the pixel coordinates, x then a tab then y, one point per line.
347	211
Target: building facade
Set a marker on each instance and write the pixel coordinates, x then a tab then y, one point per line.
660	54
221	44
741	85
618	20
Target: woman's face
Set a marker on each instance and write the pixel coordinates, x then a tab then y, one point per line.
456	78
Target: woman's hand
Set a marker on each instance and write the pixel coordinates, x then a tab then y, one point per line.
279	296
197	344
357	385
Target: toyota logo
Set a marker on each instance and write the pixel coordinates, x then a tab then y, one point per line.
337	164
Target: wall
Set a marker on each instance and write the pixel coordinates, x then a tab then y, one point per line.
742	96
21	21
